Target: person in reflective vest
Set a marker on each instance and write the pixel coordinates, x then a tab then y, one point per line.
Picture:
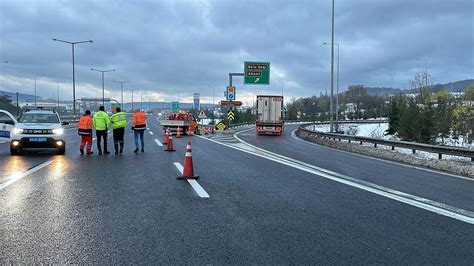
139	127
85	131
101	123
119	122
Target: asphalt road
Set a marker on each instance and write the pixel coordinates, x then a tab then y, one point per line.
132	209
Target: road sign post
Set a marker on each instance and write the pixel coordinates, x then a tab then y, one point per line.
257	73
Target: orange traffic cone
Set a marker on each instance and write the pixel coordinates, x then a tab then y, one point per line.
170	144
178	132
188	171
198	131
207	131
190	133
167	137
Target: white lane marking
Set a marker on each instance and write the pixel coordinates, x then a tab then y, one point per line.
151	133
158	143
17	176
293	134
199	190
148	128
426	204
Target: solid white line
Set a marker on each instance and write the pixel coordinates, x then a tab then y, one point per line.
199	190
433	206
17	176
158	143
151	133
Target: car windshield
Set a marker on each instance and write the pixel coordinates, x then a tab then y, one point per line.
38	118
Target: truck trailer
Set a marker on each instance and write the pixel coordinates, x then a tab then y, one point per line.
270	113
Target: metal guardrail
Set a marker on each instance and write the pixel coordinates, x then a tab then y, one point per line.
440	150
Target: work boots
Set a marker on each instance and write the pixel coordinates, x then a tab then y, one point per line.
116	147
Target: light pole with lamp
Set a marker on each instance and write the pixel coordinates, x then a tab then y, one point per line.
121	87
337	83
103	87
73	72
132	96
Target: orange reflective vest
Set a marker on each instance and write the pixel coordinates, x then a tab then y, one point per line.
85	125
139	121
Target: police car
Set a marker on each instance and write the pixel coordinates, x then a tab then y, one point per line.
34	129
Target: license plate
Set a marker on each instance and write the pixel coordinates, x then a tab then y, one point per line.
4	134
37	139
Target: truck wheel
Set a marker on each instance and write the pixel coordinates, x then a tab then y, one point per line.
62	151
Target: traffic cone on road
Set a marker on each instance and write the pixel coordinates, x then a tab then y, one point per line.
169	147
207	131
188	171
178	132
198	131
190	132
167	137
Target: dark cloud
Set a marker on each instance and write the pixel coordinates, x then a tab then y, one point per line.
168	46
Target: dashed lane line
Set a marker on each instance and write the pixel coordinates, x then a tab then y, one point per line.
199	190
17	176
158	143
151	133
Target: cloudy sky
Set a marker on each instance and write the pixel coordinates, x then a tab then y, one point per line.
186	46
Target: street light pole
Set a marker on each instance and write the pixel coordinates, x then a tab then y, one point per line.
331	128
103	87
213	105
132	96
337	82
121	88
73	73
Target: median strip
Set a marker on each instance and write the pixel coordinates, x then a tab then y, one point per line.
17	176
199	190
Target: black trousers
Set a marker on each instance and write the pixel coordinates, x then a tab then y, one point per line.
101	134
118	134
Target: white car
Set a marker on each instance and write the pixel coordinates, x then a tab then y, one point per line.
34	129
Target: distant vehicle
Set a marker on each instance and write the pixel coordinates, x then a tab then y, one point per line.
34	129
269	115
182	119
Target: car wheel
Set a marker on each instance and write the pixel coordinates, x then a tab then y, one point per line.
13	151
62	151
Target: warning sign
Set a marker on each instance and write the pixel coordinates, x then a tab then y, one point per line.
202	115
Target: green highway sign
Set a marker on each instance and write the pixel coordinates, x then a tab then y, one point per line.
230	115
175	107
257	73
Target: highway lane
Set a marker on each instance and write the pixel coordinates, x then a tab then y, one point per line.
432	185
131	209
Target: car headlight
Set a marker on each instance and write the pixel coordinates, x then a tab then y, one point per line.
58	131
17	130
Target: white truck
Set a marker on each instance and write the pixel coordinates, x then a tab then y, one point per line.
270	113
